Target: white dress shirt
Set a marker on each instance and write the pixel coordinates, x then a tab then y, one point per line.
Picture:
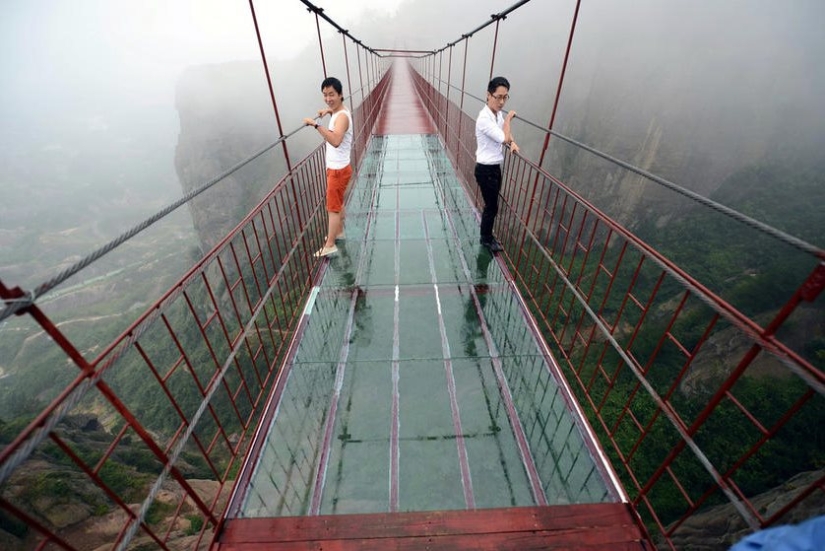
489	137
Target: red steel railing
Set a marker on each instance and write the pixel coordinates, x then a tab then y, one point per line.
629	328
207	354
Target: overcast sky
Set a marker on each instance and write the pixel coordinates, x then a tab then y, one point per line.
59	55
78	64
85	78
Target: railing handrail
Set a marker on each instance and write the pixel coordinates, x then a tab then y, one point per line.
760	337
30	297
779	235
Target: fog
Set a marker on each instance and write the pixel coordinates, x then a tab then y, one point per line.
692	90
88	117
97	58
87	100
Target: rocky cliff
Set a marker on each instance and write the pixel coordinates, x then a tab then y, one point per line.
720	527
675	91
226	116
61	498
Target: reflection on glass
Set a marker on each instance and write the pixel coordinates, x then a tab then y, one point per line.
362	319
483	259
471	333
342	266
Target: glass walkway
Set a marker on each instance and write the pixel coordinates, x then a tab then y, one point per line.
418	383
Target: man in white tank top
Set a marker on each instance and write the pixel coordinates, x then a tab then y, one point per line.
338	137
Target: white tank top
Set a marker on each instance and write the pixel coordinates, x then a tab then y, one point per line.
339	157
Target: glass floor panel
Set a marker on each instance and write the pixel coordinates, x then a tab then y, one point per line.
417	384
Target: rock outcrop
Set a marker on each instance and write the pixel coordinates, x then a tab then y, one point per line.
62	499
225	117
720	527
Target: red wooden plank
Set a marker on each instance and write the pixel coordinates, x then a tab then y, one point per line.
407	114
511	528
427	522
612	537
501	542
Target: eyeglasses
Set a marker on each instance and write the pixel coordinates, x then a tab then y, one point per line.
505	97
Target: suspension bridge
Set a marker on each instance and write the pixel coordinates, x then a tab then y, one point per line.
415	391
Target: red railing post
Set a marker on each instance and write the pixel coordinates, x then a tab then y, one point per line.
561	81
321	45
269	84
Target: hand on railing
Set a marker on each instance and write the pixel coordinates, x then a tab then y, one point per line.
508	135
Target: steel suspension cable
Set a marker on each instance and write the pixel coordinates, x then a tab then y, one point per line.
320	13
15	305
493	19
269	82
767	229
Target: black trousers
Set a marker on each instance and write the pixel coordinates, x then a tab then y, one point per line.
489	182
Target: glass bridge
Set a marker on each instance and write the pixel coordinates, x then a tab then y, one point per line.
419	383
401	395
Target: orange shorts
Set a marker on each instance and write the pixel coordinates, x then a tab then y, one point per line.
337	180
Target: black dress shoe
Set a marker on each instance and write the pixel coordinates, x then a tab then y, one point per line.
492	245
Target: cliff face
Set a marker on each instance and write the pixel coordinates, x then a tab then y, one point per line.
226	116
62	499
675	91
720	527
673	143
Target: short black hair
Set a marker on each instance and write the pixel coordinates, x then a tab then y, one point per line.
496	82
335	83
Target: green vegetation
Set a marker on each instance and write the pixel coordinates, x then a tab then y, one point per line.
54	484
158	512
162	381
36	369
122	480
750	269
195	524
9	430
745	267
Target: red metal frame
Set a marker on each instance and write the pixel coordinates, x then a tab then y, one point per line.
242	299
568	278
224	331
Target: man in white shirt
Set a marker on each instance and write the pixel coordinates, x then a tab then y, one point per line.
338	137
492	132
